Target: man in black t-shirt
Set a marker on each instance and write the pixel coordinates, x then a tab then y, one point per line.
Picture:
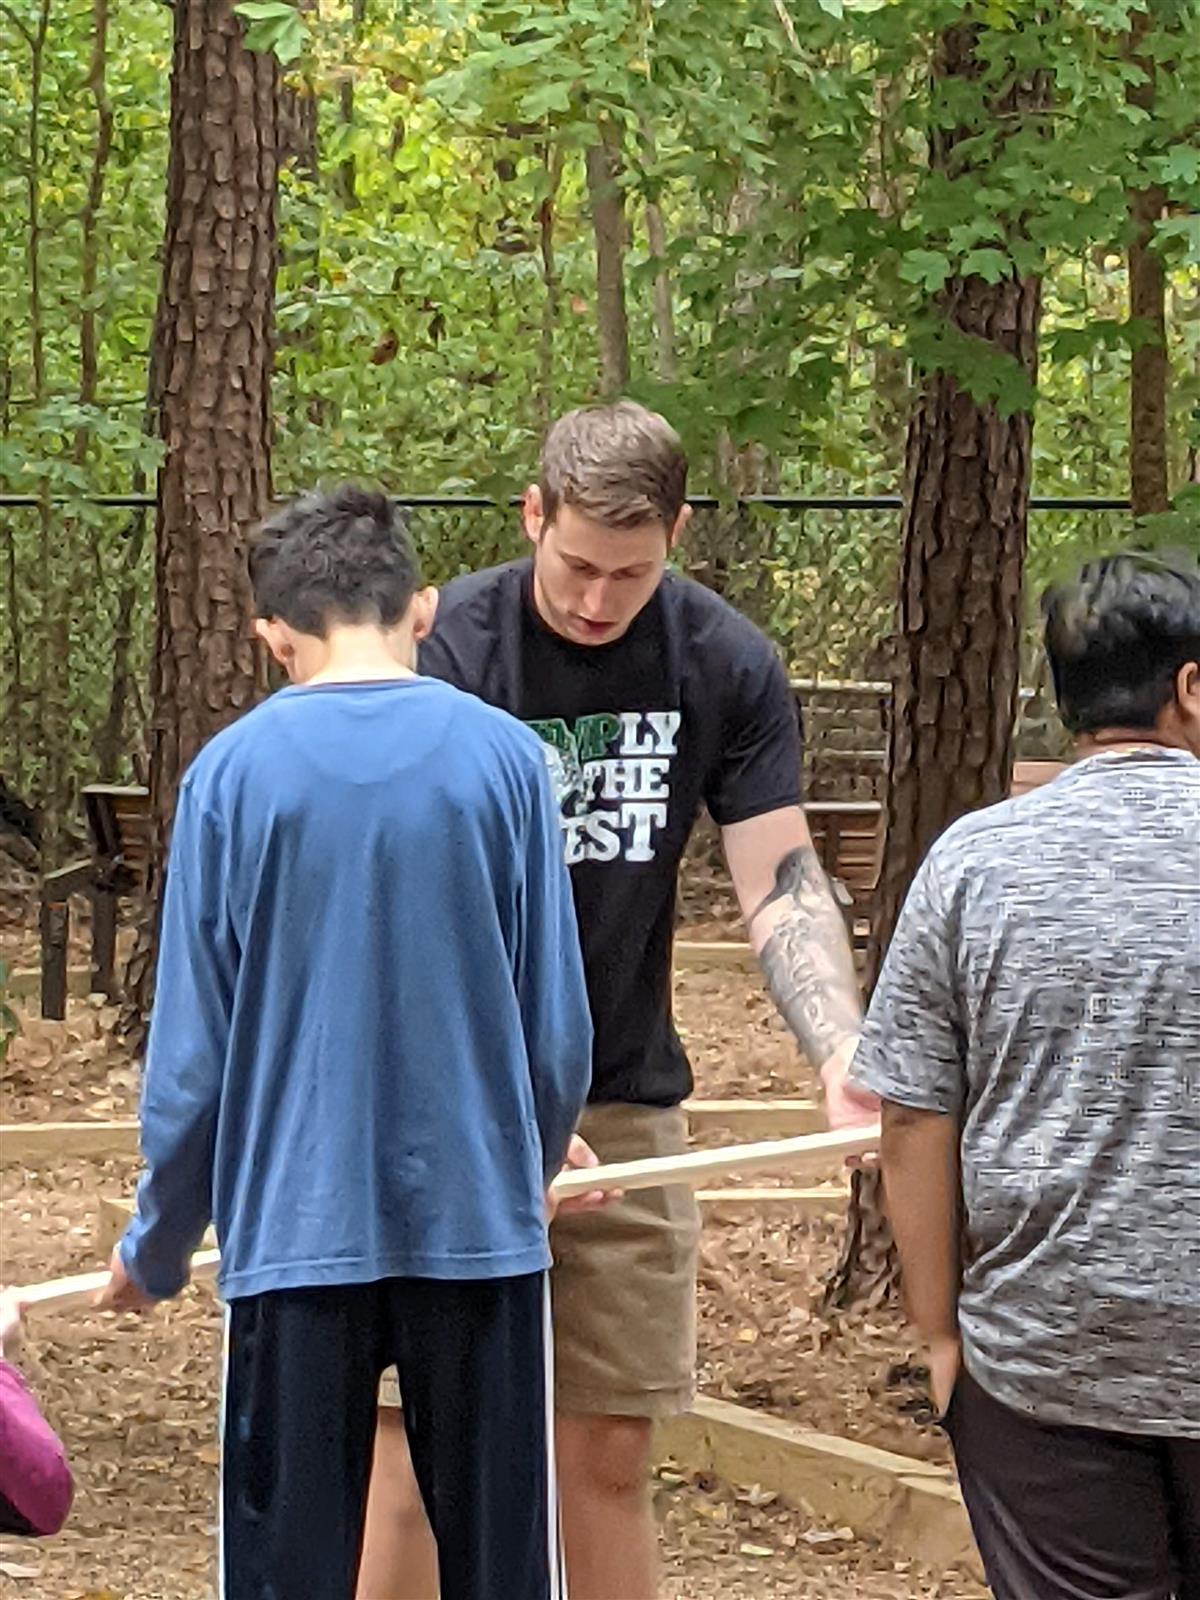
653	698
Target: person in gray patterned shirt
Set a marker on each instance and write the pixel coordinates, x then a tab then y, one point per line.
1035	1038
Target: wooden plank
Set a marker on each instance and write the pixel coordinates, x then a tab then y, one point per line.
50	1141
751	1119
65	1294
701	955
805	1154
24	983
911	1507
825	1200
114	1219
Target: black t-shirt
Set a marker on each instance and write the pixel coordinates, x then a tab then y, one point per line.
690	707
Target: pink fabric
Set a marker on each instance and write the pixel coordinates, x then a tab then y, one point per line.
34	1476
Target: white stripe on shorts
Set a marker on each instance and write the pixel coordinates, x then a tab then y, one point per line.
221	1456
558	1570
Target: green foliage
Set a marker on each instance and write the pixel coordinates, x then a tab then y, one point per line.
808	243
273	25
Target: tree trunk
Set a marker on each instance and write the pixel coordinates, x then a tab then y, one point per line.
608	227
1147	305
664	306
213	354
15	733
957	651
347	176
552	165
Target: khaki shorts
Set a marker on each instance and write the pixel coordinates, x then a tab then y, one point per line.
623	1284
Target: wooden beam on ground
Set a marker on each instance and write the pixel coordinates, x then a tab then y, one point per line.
35	1142
114	1219
755	1118
911	1507
826	1200
714	955
25	983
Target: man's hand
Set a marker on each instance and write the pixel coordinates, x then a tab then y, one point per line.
579	1155
12	1313
945	1364
846	1105
120	1293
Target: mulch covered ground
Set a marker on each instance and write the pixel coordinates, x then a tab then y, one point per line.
136	1400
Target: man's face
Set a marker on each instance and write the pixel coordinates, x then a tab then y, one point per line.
590	581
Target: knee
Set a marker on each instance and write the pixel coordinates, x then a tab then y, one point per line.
605	1457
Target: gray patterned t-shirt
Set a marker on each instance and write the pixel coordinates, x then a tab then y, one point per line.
1043	987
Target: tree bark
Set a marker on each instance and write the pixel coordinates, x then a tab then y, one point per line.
664	305
213	353
957	651
12	606
1148	485
552	163
347	176
608	227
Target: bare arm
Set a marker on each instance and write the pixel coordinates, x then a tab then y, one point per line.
800	938
924	1201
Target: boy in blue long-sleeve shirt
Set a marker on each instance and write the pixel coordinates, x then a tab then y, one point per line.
369	1049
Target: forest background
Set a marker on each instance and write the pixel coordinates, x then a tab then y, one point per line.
754	215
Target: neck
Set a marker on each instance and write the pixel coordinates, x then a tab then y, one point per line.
1105	740
360	655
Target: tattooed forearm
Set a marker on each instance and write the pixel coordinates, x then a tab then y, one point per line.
805	956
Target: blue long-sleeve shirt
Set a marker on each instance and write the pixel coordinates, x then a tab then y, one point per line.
371	1040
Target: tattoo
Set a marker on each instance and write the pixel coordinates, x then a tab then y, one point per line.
806	958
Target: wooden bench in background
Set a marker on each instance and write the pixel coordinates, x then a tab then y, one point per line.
119	825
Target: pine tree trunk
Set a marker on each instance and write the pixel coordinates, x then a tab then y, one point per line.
957	650
607	200
213	360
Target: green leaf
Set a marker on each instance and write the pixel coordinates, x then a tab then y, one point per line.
1181	164
993	266
929	268
546	98
833	8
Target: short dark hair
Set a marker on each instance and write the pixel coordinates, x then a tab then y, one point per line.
620	465
335	556
1117	637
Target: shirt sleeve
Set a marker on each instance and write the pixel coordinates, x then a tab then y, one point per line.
913	1047
185	1060
758	767
35	1481
551	987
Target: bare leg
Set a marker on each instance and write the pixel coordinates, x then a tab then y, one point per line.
609	1534
399	1559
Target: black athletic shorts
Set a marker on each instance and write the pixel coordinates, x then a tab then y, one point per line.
302	1375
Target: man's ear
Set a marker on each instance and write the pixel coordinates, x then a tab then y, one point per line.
533	513
681	522
424	612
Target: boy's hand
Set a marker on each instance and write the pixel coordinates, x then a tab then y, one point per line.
945	1363
12	1313
120	1293
579	1155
